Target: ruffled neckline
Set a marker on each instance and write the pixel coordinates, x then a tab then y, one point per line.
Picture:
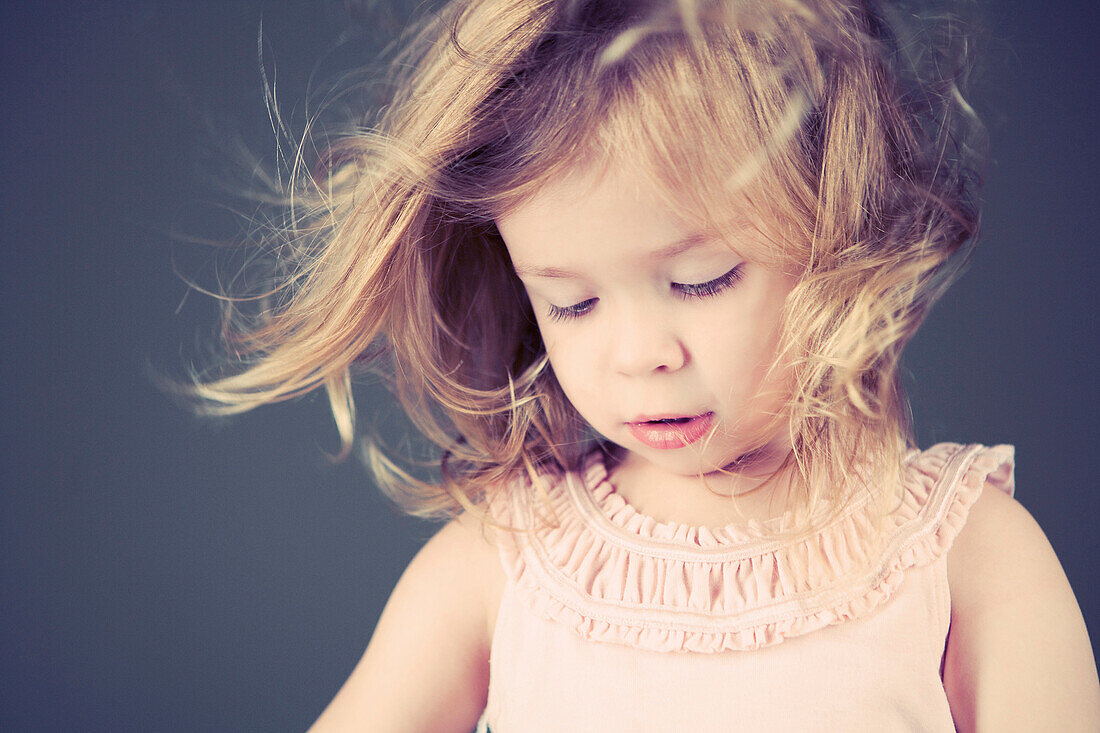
619	521
615	575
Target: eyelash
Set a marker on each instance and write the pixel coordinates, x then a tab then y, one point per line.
684	290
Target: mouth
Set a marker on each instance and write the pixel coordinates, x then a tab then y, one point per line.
668	432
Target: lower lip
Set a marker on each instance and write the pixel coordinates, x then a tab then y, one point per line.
671	435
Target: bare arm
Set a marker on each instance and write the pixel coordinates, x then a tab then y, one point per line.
427	665
1018	655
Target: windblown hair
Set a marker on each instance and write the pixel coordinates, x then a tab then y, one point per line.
838	135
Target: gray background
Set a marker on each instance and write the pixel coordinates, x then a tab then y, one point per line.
158	572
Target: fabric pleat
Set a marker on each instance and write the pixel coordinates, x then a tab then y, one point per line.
612	574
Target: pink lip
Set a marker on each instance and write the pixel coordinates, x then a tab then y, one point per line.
670	435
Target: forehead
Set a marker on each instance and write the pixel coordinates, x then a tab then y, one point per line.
595	213
596	202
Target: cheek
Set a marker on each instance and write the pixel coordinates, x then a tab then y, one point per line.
569	359
575	363
729	338
736	350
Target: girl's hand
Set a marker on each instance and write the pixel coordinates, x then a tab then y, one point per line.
1018	655
427	665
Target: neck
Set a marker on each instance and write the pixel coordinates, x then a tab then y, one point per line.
754	487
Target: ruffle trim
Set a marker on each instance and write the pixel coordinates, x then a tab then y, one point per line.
614	575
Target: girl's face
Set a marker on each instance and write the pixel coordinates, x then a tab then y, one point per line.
659	336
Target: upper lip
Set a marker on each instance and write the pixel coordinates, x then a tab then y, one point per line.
667	416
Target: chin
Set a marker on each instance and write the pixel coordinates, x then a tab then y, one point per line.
690	461
686	461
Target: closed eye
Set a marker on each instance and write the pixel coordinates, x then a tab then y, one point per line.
711	287
562	313
684	290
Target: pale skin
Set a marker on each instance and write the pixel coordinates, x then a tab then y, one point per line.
609	252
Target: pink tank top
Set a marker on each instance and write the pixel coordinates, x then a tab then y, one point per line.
612	621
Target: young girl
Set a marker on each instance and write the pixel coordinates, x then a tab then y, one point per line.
643	272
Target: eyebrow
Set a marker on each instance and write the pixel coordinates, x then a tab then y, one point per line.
667	252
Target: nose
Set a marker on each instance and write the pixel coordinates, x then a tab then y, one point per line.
643	342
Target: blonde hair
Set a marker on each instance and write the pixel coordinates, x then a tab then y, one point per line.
813	121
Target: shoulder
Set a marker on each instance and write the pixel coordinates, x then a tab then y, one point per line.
1018	655
427	664
1000	545
444	585
461	562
